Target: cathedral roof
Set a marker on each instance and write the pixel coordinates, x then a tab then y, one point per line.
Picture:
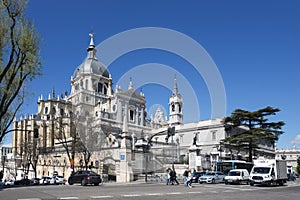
91	63
131	94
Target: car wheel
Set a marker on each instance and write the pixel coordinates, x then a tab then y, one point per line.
96	184
213	181
226	182
70	182
83	182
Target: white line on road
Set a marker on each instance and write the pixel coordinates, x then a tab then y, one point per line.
30	199
175	193
65	198
154	194
195	192
131	195
100	197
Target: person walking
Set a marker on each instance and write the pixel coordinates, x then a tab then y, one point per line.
185	176
168	176
189	178
174	177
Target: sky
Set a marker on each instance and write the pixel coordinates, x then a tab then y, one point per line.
246	53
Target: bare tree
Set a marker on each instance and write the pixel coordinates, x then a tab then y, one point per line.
19	59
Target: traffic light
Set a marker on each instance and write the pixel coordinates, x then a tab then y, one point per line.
36	133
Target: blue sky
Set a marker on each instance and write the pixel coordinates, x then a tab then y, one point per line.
254	44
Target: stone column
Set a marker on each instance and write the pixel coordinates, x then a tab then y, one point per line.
125	169
194	158
137	116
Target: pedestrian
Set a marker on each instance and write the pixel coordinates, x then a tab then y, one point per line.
168	176
189	179
1	175
185	176
174	177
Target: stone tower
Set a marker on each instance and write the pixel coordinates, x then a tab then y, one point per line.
175	106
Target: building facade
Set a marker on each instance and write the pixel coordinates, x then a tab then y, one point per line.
291	156
106	130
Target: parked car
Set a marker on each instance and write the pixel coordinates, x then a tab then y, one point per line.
212	177
9	182
291	177
45	180
57	180
24	181
237	176
85	177
197	175
35	181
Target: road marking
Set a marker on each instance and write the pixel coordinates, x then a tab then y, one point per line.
131	195
175	193
154	194
195	192
63	198
100	197
30	199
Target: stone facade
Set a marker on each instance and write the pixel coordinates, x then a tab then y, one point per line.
106	130
291	156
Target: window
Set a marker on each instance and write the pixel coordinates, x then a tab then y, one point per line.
99	88
53	110
86	84
131	115
213	135
46	110
62	112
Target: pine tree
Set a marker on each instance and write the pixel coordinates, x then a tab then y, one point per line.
298	166
254	127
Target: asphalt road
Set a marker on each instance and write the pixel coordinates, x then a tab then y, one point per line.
160	191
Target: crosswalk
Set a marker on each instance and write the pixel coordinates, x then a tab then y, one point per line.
197	189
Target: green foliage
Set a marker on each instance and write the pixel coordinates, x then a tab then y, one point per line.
251	128
298	166
19	59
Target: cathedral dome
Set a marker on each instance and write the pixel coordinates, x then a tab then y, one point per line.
91	63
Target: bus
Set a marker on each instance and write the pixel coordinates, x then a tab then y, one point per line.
227	165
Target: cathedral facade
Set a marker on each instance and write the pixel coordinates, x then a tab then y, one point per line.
105	130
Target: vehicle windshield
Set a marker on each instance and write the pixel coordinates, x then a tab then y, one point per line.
261	170
210	174
92	173
234	174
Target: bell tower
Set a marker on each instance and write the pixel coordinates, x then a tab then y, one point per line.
175	106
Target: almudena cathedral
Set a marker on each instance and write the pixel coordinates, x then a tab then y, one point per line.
107	131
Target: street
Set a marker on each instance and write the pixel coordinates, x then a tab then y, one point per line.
132	191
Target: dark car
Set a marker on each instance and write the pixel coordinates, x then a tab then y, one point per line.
197	175
24	181
291	177
85	177
35	181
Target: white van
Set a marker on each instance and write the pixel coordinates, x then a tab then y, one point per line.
237	176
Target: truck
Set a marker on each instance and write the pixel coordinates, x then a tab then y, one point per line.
268	172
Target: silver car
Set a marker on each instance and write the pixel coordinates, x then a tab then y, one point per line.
212	177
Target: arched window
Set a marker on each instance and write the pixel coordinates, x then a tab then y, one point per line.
131	115
100	87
